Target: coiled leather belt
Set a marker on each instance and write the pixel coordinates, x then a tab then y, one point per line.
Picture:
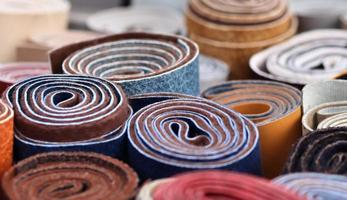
73	175
6	137
274	107
214	185
139	62
315	185
68	113
174	133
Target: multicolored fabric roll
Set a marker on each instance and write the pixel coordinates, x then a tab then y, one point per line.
320	151
14	72
139	62
68	113
315	186
173	134
274	107
308	57
215	185
6	137
73	175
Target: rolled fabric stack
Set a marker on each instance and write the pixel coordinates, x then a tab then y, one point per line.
315	186
20	19
73	175
174	133
308	57
12	73
324	105
320	151
139	62
276	110
234	30
6	137
215	185
68	113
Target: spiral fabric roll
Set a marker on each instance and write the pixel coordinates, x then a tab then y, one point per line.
215	185
174	134
308	57
139	62
320	151
73	175
315	185
6	137
238	28
14	72
68	113
274	107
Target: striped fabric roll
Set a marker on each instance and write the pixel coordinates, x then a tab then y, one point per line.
274	107
139	62
6	137
73	175
215	185
306	58
68	113
174	134
14	72
320	151
315	186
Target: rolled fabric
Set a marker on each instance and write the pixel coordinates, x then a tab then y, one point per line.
315	185
239	28
174	133
320	151
308	57
139	62
68	113
6	137
24	18
215	185
73	175
276	110
14	72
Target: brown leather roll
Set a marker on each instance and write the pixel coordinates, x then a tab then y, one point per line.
73	175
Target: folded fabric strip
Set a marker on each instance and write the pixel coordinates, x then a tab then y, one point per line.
320	151
68	113
174	134
306	58
215	185
139	62
6	137
14	72
73	175
315	185
276	110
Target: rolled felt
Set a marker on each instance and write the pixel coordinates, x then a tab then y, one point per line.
315	185
11	73
139	62
6	137
171	133
274	107
73	175
68	113
322	151
206	185
308	57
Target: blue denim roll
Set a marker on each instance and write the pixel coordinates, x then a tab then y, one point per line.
178	133
68	113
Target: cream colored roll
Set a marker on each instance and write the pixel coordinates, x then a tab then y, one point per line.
147	190
19	19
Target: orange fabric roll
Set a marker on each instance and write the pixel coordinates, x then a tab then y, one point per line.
6	137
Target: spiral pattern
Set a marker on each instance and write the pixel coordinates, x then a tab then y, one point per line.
6	137
190	133
73	175
315	185
56	111
320	151
308	57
